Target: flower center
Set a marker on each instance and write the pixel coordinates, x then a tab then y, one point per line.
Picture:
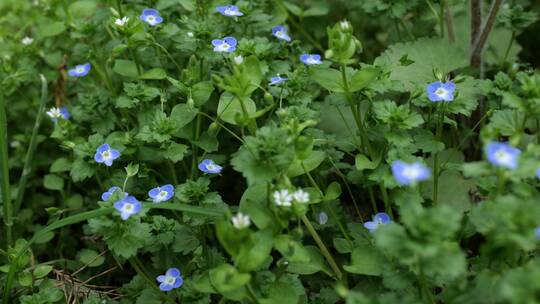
170	280
225	46
162	193
106	154
502	156
280	34
79	69
128	207
211	167
311	60
150	19
410	173
228	11
440	92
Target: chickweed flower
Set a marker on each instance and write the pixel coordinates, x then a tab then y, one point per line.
409	174
379	219
161	194
107	194
345	25
209	166
280	32
80	70
190	34
225	45
502	155
27	40
301	196
58	113
105	154
240	221
283	198
171	280
322	218
277	80
121	21
151	16
439	91
311	59
229	11
128	206
238	59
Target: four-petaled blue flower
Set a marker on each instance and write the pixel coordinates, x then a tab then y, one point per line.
502	155
277	80
208	166
229	11
105	154
439	91
171	280
58	113
281	33
227	45
128	206
107	194
380	218
409	174
151	16
311	59
80	70
161	194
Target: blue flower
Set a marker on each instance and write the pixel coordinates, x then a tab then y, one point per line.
208	166
409	174
538	173
171	280
277	80
502	155
281	33
438	91
227	44
58	113
311	59
161	194
537	232
128	206
107	194
151	16
80	70
105	154
379	219
229	11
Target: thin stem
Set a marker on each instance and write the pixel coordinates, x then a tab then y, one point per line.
139	268
449	19
194	148
27	168
5	196
344	179
436	172
252	123
442	7
322	247
480	43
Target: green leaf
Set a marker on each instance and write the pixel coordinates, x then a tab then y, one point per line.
175	152
42	270
25	278
82	9
230	107
329	79
155	73
225	278
362	162
201	92
53	182
363	78
81	170
51	28
61	165
90	258
126	68
310	164
332	192
182	114
365	260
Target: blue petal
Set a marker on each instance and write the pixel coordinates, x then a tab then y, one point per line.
103	148
154	192
98	157
119	205
159	19
173	272
217	42
108	162
169	188
136	207
316	57
161	278
382	218
230	41
371	226
165	287
221	9
150	12
114	154
65	113
432	87
449	86
178	282
278	28
304	57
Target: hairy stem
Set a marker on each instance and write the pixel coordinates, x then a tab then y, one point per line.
322	247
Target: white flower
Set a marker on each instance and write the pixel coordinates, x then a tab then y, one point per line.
344	25
238	59
121	22
15	144
240	221
27	40
283	198
190	34
54	113
322	218
301	196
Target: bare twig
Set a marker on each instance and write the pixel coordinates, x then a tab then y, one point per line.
479	44
476	19
449	19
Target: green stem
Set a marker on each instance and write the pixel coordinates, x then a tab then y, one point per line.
436	167
133	53
5	196
252	123
441	17
322	247
27	168
139	268
344	179
194	148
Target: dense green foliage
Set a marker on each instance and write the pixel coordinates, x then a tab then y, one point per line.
310	158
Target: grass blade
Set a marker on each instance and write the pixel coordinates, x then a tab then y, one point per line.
32	147
4	174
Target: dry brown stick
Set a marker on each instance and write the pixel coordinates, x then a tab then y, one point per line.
480	42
